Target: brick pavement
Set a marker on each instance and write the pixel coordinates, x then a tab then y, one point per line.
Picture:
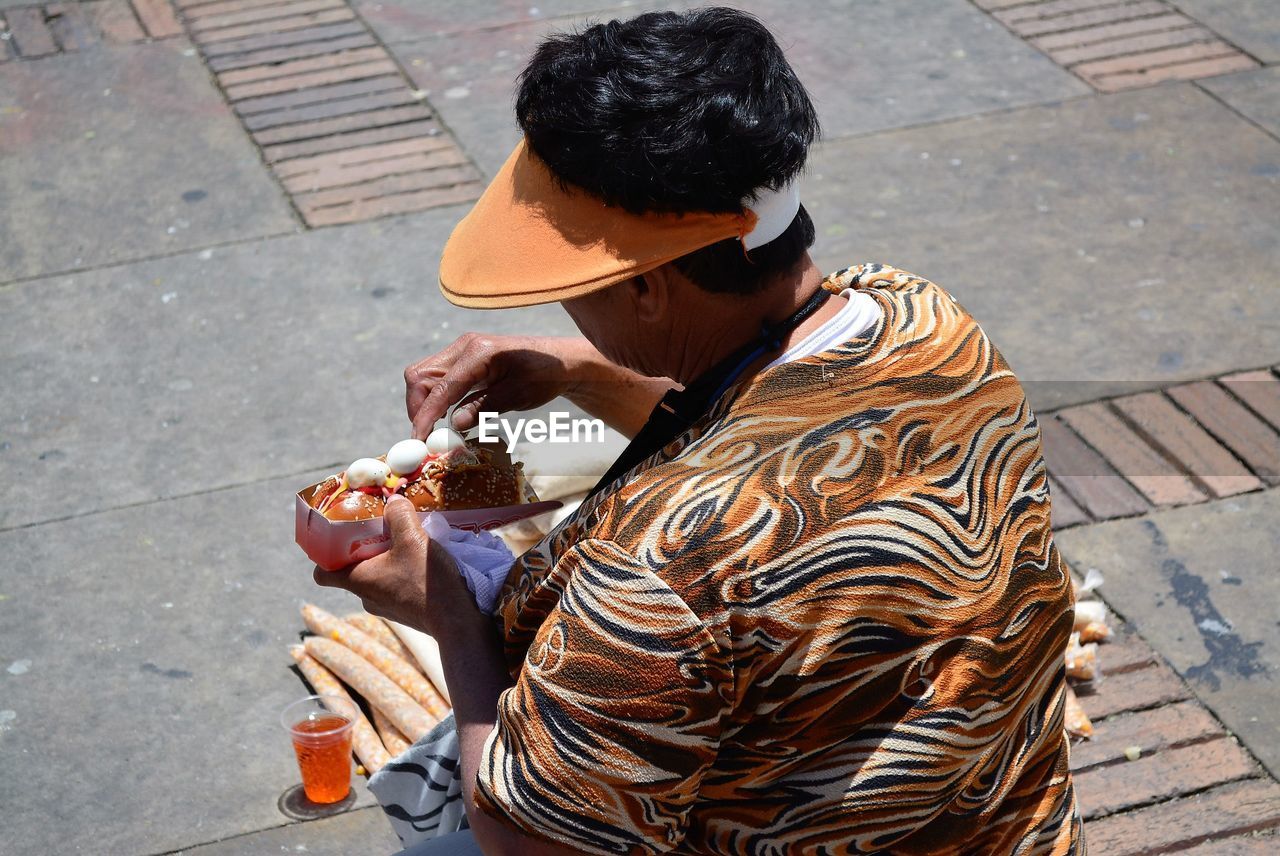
1192	783
30	32
346	133
1186	444
350	137
1120	44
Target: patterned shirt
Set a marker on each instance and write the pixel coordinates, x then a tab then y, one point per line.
828	618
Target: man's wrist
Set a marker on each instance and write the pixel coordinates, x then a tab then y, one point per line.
456	628
450	606
584	369
457	621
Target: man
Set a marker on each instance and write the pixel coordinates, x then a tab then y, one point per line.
816	607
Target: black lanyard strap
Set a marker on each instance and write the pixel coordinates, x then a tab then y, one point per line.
680	408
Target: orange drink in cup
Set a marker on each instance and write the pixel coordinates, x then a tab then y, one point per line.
321	730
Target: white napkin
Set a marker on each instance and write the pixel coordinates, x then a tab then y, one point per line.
482	557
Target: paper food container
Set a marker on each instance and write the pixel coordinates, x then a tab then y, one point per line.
335	544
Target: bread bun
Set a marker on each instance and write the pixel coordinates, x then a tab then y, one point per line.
486	484
354	505
424	494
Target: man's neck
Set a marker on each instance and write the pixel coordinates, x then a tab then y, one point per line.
726	323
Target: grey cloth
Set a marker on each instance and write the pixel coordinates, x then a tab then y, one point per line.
456	844
421	789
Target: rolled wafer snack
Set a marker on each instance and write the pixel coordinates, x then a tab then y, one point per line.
379	690
426	652
406	676
1092	581
365	742
1090	612
1082	660
1095	631
391	736
378	629
1075	720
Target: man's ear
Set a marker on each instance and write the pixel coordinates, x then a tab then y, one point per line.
651	293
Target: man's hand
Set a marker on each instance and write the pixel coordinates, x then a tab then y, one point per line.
415	583
492	373
502	373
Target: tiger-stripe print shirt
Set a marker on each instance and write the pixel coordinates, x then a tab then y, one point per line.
829	618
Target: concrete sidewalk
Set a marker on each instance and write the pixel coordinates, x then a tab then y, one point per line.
220	223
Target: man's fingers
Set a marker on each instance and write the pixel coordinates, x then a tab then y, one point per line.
402	522
433	406
418	381
422	375
361	579
500	398
468	372
467	414
332	579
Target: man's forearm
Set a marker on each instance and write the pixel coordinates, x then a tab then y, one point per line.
607	391
476	672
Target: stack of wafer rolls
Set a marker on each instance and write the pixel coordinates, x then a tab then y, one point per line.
1075	720
1081	659
426	652
362	655
1081	656
378	629
392	739
398	669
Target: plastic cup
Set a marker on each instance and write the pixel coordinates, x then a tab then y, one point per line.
320	726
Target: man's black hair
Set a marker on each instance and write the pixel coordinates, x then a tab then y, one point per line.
676	112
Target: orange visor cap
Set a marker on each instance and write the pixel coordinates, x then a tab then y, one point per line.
530	240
